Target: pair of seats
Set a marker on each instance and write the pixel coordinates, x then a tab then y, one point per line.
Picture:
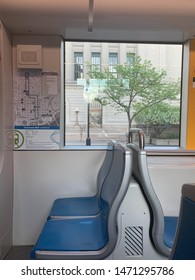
85	227
162	229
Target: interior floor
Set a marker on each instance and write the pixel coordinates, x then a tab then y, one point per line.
19	253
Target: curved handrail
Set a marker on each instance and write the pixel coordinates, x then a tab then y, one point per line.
141	137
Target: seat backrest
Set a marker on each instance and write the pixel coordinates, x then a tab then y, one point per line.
113	191
113	181
184	243
141	175
105	167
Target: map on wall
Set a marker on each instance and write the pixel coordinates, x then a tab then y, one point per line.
36	110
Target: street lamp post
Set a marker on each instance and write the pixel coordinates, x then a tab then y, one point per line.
88	139
77	117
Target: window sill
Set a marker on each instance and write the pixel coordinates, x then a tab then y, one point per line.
85	148
168	151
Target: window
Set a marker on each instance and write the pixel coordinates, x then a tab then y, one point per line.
113	61
130	57
106	109
96	60
78	65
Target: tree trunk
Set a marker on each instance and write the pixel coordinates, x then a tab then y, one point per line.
129	126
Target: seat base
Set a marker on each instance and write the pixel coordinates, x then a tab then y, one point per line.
80	234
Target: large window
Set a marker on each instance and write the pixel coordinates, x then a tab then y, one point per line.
114	89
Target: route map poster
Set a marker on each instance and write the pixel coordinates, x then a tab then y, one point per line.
36	110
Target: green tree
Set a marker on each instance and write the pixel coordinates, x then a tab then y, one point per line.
134	87
160	116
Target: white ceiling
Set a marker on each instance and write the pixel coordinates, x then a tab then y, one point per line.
172	20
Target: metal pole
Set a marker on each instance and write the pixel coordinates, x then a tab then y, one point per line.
88	140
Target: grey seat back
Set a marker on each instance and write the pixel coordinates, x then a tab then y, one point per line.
141	174
113	191
113	181
105	167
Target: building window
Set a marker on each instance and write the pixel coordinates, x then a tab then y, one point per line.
130	57
78	65
96	60
112	62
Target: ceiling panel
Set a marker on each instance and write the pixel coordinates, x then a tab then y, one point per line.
61	17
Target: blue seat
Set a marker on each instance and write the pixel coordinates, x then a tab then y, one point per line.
184	243
170	230
80	234
95	236
83	206
163	229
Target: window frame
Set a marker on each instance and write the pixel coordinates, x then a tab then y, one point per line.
182	140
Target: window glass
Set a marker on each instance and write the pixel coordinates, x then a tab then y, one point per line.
117	86
113	61
96	60
78	65
130	57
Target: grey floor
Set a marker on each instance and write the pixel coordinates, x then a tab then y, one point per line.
19	253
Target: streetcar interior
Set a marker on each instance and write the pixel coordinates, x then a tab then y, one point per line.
85	172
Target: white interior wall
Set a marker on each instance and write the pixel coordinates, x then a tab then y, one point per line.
168	174
6	140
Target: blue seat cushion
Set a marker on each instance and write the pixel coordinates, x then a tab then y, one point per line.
75	206
170	230
79	234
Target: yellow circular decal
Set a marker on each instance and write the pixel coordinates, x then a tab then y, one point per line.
18	139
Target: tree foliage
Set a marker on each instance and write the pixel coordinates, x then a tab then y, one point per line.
160	116
134	87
